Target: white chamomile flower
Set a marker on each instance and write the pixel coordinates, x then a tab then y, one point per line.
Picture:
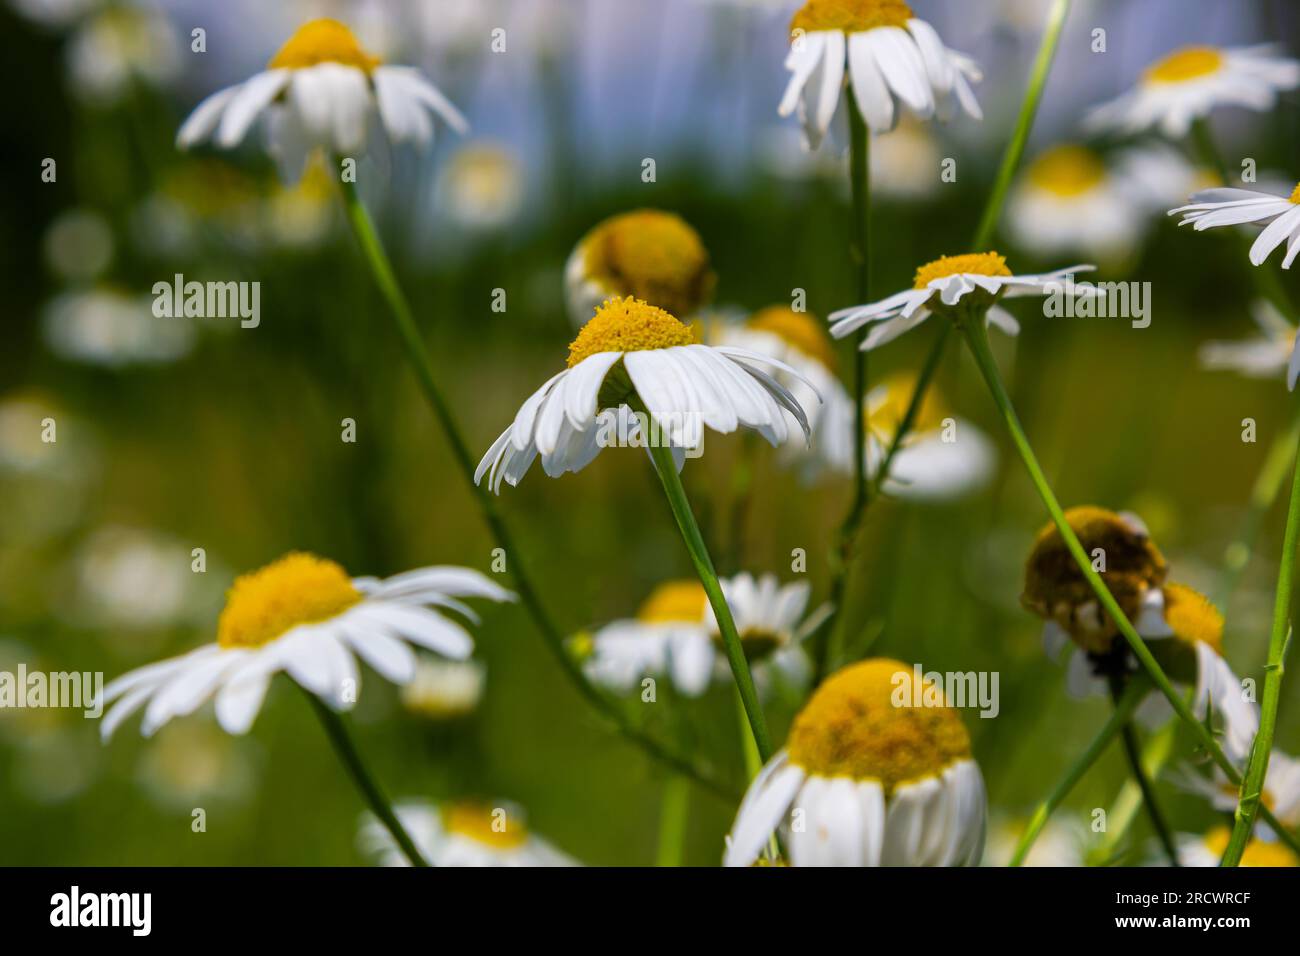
800	341
631	352
1189	83
322	90
1267	355
941	458
481	187
675	633
1068	201
1183	630
304	616
865	780
1279	215
1281	791
894	62
117	46
1156	175
112	328
977	281
645	254
1208	850
463	833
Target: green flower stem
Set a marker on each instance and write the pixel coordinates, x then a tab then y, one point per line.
1265	491
1056	18
748	745
1123	713
370	789
823	640
860	256
1252	786
673	810
977	338
662	456
1134	756
413	346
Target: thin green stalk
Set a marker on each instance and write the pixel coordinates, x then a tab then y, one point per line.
1252	786
860	257
1134	756
1011	156
1118	719
748	745
673	810
1028	110
1265	491
370	789
413	346
977	338
666	468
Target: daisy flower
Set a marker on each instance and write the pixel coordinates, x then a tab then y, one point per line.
1281	790
1270	354
646	254
322	90
444	689
304	616
676	633
1067	201
118	46
977	281
863	781
1183	630
1208	850
1189	83
894	61
1279	215
800	341
632	353
462	833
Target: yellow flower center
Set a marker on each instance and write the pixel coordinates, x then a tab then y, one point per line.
629	325
1295	195
1185	64
975	263
674	602
851	728
851	16
1257	853
1192	617
1068	171
888	402
323	41
487	825
799	330
1055	588
650	255
296	589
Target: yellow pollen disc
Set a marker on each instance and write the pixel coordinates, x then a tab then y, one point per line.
851	16
799	330
1056	589
484	824
1068	171
296	589
974	263
629	325
1192	617
1257	853
1185	64
674	601
851	728
323	41
1295	195
889	404
650	255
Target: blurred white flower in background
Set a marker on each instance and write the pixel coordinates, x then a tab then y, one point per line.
481	186
192	763
78	245
118	46
112	328
461	833
444	689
